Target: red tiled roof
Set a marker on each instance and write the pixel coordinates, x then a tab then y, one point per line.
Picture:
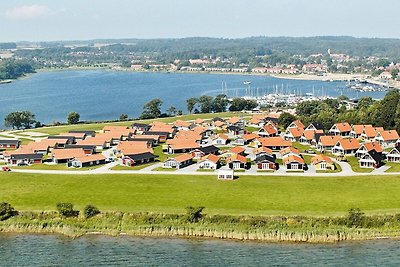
292	158
329	140
321	158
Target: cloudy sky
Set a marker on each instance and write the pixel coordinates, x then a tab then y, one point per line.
38	20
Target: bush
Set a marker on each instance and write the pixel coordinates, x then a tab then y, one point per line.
90	211
6	211
67	210
355	218
193	214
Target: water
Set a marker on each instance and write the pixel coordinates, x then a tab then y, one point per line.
53	250
105	95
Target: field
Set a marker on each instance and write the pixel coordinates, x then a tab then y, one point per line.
249	195
53	130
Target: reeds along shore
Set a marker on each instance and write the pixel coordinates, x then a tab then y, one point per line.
270	229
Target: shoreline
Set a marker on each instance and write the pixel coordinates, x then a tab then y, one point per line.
151	225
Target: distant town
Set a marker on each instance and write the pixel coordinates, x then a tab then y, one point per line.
334	58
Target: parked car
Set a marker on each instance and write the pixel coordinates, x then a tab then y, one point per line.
5	169
110	160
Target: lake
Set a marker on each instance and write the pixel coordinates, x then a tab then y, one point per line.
53	250
105	95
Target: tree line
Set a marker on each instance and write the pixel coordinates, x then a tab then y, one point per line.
11	69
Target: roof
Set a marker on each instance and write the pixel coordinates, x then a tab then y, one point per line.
234	128
183	157
141	125
145	137
114	128
349	143
270	129
264	157
359	128
249	137
377	157
317	126
210	157
199	121
181	123
298	124
343	127
87	132
292	158
276	141
184	144
156	133
389	135
234	120
27	156
309	134
238	158
329	140
218	119
90	158
141	156
370	131
222	136
373	146
94	141
44	144
219	123
9	141
237	149
68	153
321	158
134	147
209	149
296	132
289	150
262	149
76	135
84	147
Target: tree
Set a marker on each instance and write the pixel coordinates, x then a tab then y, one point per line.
394	73
220	103
90	211
286	119
171	111
239	104
355	217
6	211
73	117
123	117
67	210
205	103
193	214
191	103
152	109
19	120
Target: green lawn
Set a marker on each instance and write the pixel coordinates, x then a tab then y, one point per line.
251	129
252	195
353	161
394	167
53	167
53	130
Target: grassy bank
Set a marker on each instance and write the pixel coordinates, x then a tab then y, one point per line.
169	193
53	130
266	228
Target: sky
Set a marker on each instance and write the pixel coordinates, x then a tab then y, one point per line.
53	20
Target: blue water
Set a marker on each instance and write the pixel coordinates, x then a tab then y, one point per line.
105	95
52	250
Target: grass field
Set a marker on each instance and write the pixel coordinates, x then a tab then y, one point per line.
53	130
249	195
61	167
394	167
